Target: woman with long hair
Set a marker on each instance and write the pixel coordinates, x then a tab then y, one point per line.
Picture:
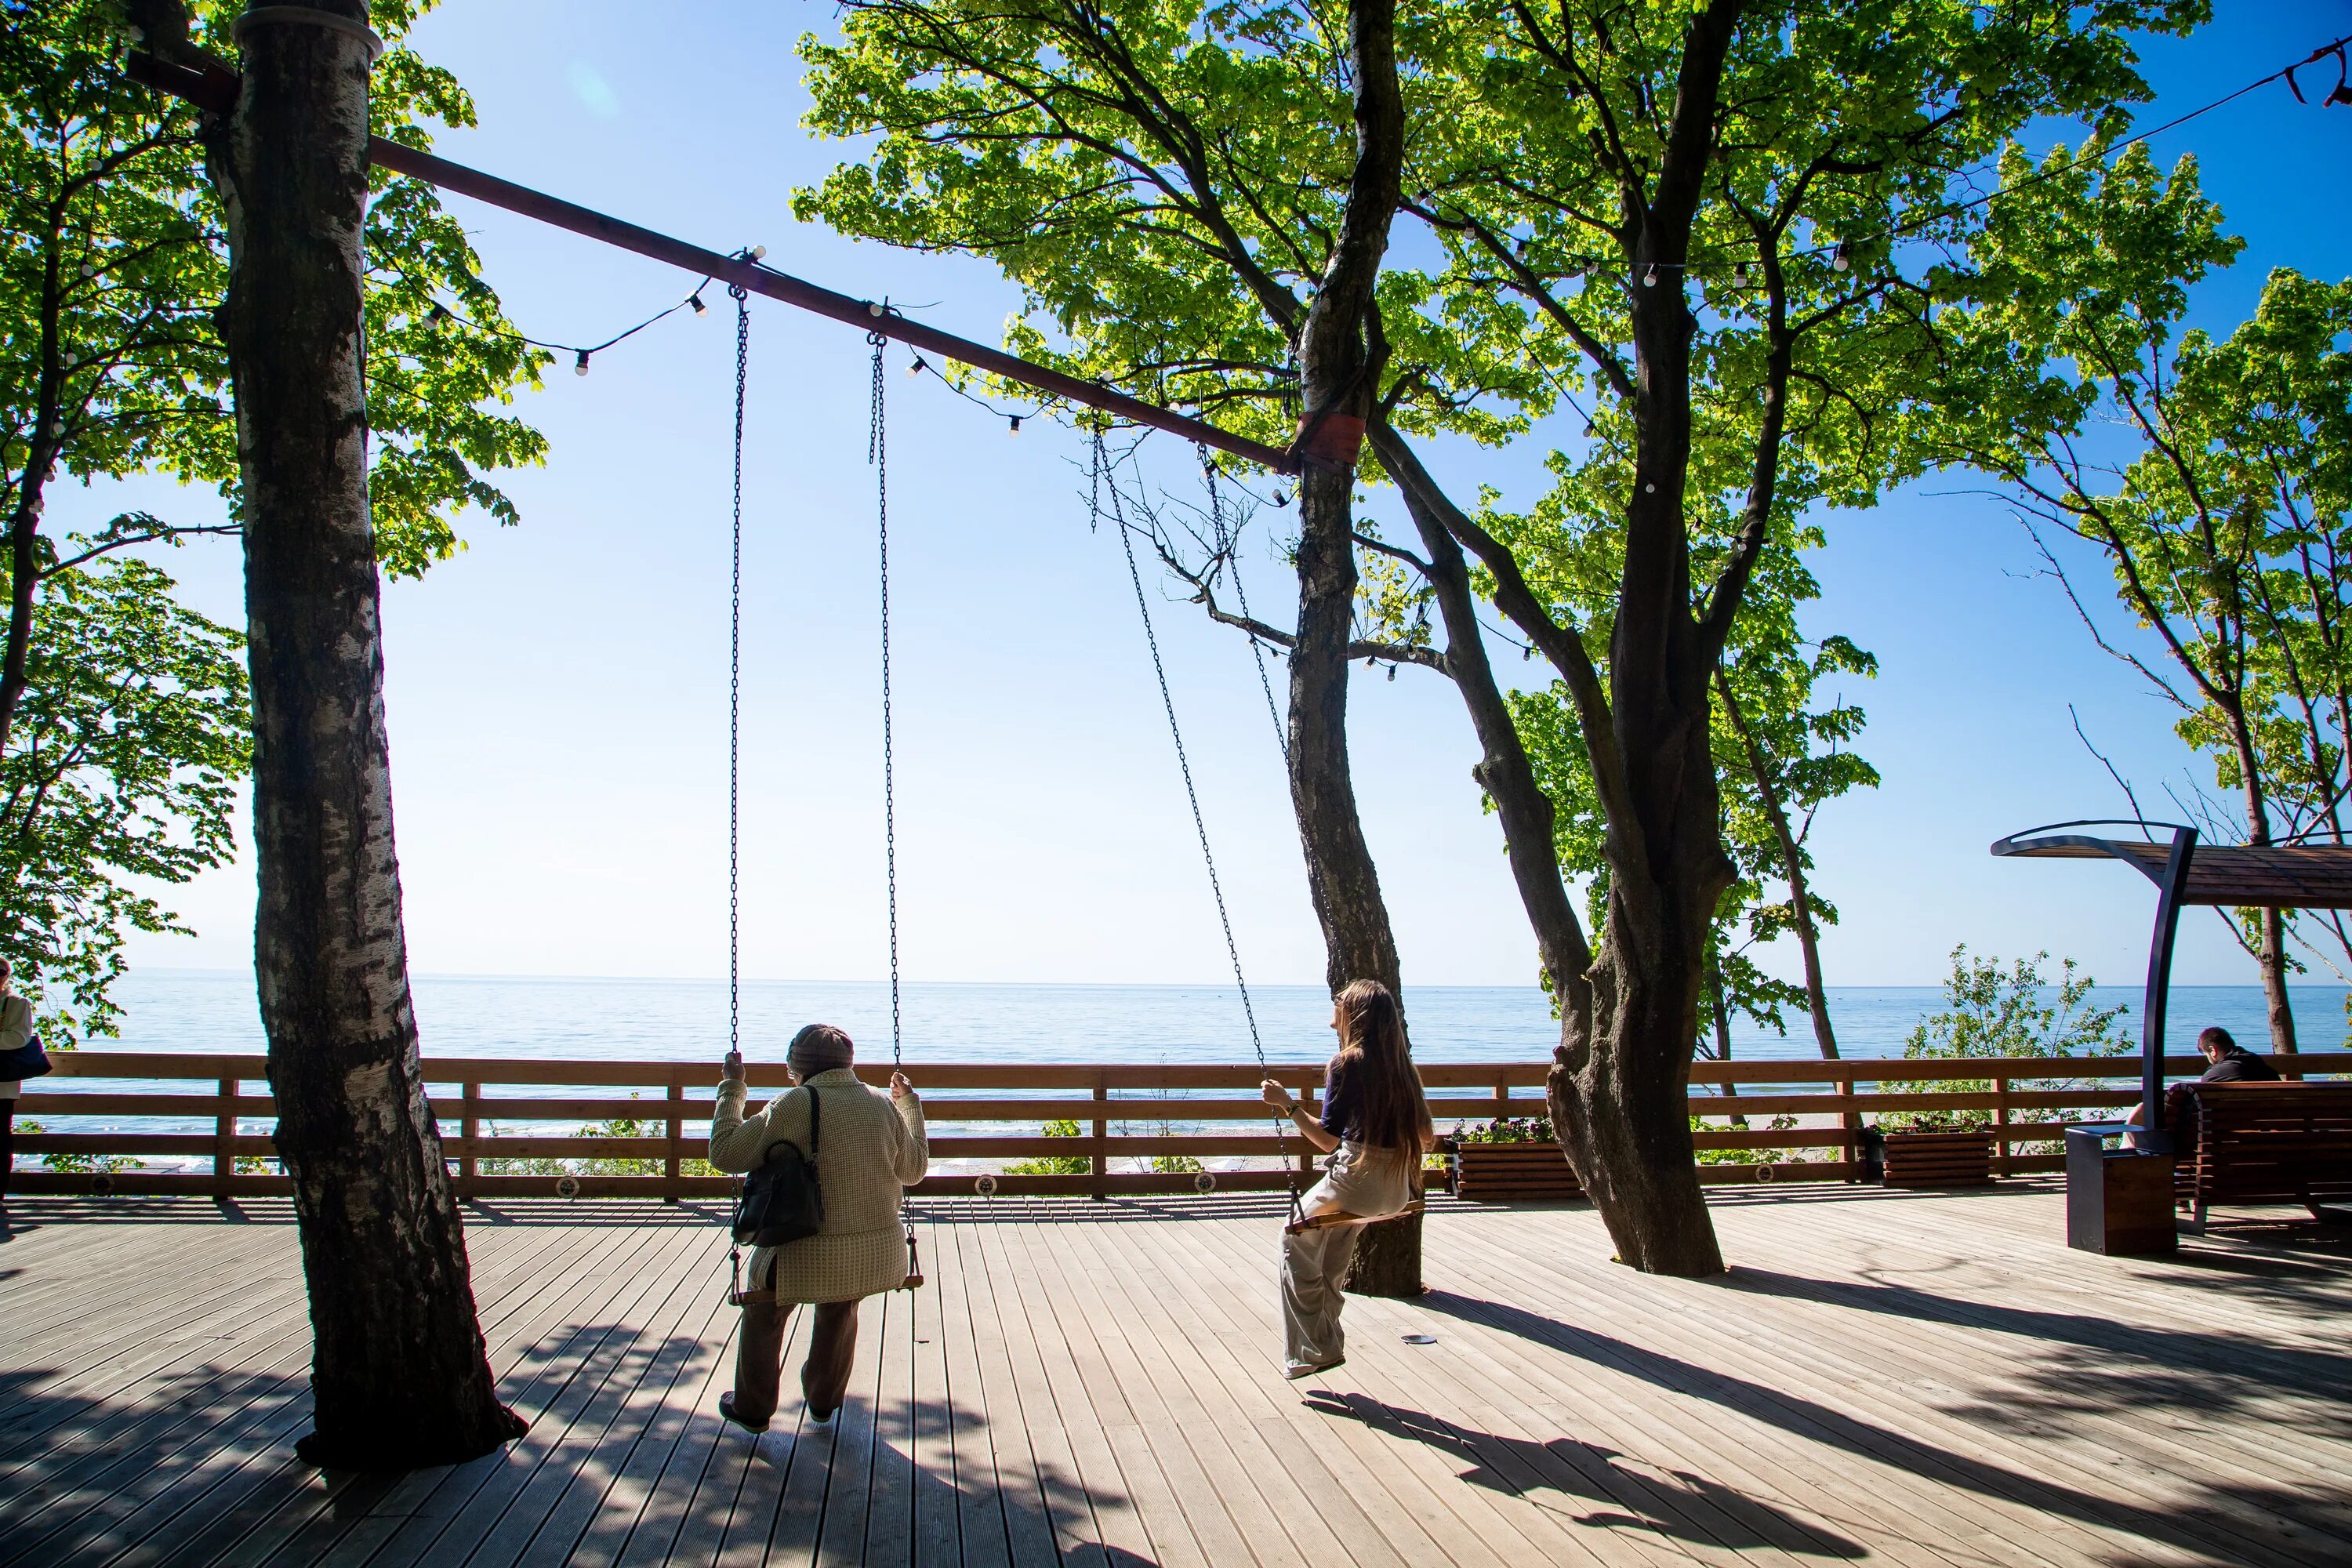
1375	1127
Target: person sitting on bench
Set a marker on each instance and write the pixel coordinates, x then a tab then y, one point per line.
2226	1062
1375	1126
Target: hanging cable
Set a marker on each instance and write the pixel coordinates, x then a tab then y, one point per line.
1227	543
877	455
1101	474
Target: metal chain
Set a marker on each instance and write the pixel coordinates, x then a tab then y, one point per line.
735	694
1225	543
1101	472
877	453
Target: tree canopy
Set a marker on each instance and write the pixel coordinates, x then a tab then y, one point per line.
111	365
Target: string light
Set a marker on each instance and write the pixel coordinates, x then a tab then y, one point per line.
1650	278
579	365
694	302
71	359
918	367
758	253
1016	425
438	317
87	271
1741	277
1841	258
1281	499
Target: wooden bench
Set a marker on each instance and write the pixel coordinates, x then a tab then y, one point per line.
2268	1143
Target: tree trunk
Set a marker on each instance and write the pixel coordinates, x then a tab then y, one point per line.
1792	866
1336	372
2270	953
1722	1027
2275	997
398	1372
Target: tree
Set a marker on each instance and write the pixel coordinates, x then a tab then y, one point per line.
110	364
399	1376
124	760
1692	209
2213	476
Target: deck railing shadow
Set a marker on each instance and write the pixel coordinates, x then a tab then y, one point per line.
2201	1527
1687	1508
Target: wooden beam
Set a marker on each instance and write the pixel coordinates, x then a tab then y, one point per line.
215	91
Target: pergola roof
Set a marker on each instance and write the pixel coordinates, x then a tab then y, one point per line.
2281	876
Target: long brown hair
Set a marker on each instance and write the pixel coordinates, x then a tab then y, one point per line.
1374	1055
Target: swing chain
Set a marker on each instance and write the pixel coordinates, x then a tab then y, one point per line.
735	691
1099	475
877	453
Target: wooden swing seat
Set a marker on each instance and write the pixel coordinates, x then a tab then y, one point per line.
1331	1217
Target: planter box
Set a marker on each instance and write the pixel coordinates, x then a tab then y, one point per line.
1938	1159
1513	1171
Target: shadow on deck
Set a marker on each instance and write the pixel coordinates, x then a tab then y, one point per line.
1925	1379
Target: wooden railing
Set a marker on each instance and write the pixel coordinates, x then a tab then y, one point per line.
1105	1102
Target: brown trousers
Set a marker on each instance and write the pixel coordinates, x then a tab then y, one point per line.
759	1357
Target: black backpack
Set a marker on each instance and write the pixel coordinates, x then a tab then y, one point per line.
782	1201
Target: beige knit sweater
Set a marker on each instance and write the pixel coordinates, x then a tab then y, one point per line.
869	1149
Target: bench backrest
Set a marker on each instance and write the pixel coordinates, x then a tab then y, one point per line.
2273	1142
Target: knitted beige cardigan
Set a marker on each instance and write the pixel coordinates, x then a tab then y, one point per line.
869	1149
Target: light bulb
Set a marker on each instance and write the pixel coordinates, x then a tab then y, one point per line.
1742	276
915	367
1650	278
1280	499
1842	260
1649	489
699	307
1016	425
87	271
579	365
759	253
873	309
72	360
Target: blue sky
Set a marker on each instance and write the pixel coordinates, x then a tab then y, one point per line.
558	693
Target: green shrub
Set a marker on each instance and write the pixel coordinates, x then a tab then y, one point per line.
1054	1165
1991	1011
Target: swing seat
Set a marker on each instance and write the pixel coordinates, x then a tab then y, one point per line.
1329	1218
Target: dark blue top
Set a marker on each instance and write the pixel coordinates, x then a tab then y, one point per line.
1343	1103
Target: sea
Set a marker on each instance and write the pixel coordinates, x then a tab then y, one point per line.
686	1020
550	1017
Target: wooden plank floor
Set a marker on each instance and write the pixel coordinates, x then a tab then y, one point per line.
1912	1379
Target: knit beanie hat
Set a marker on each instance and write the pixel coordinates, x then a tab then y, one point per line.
818	1048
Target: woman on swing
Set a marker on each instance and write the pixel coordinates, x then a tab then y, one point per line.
1375	1127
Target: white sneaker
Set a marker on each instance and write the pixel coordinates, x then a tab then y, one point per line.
1299	1369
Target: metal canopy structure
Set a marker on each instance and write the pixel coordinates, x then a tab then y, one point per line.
2271	875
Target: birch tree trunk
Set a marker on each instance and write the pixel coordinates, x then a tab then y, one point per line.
398	1372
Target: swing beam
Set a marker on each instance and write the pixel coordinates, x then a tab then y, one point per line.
214	90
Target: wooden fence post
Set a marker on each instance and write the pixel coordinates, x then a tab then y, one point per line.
673	1160
2001	1126
225	1140
469	1105
1852	1121
1099	1161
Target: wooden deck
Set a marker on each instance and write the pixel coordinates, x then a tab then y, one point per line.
1884	1377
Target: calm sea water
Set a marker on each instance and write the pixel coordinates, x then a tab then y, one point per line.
686	1020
